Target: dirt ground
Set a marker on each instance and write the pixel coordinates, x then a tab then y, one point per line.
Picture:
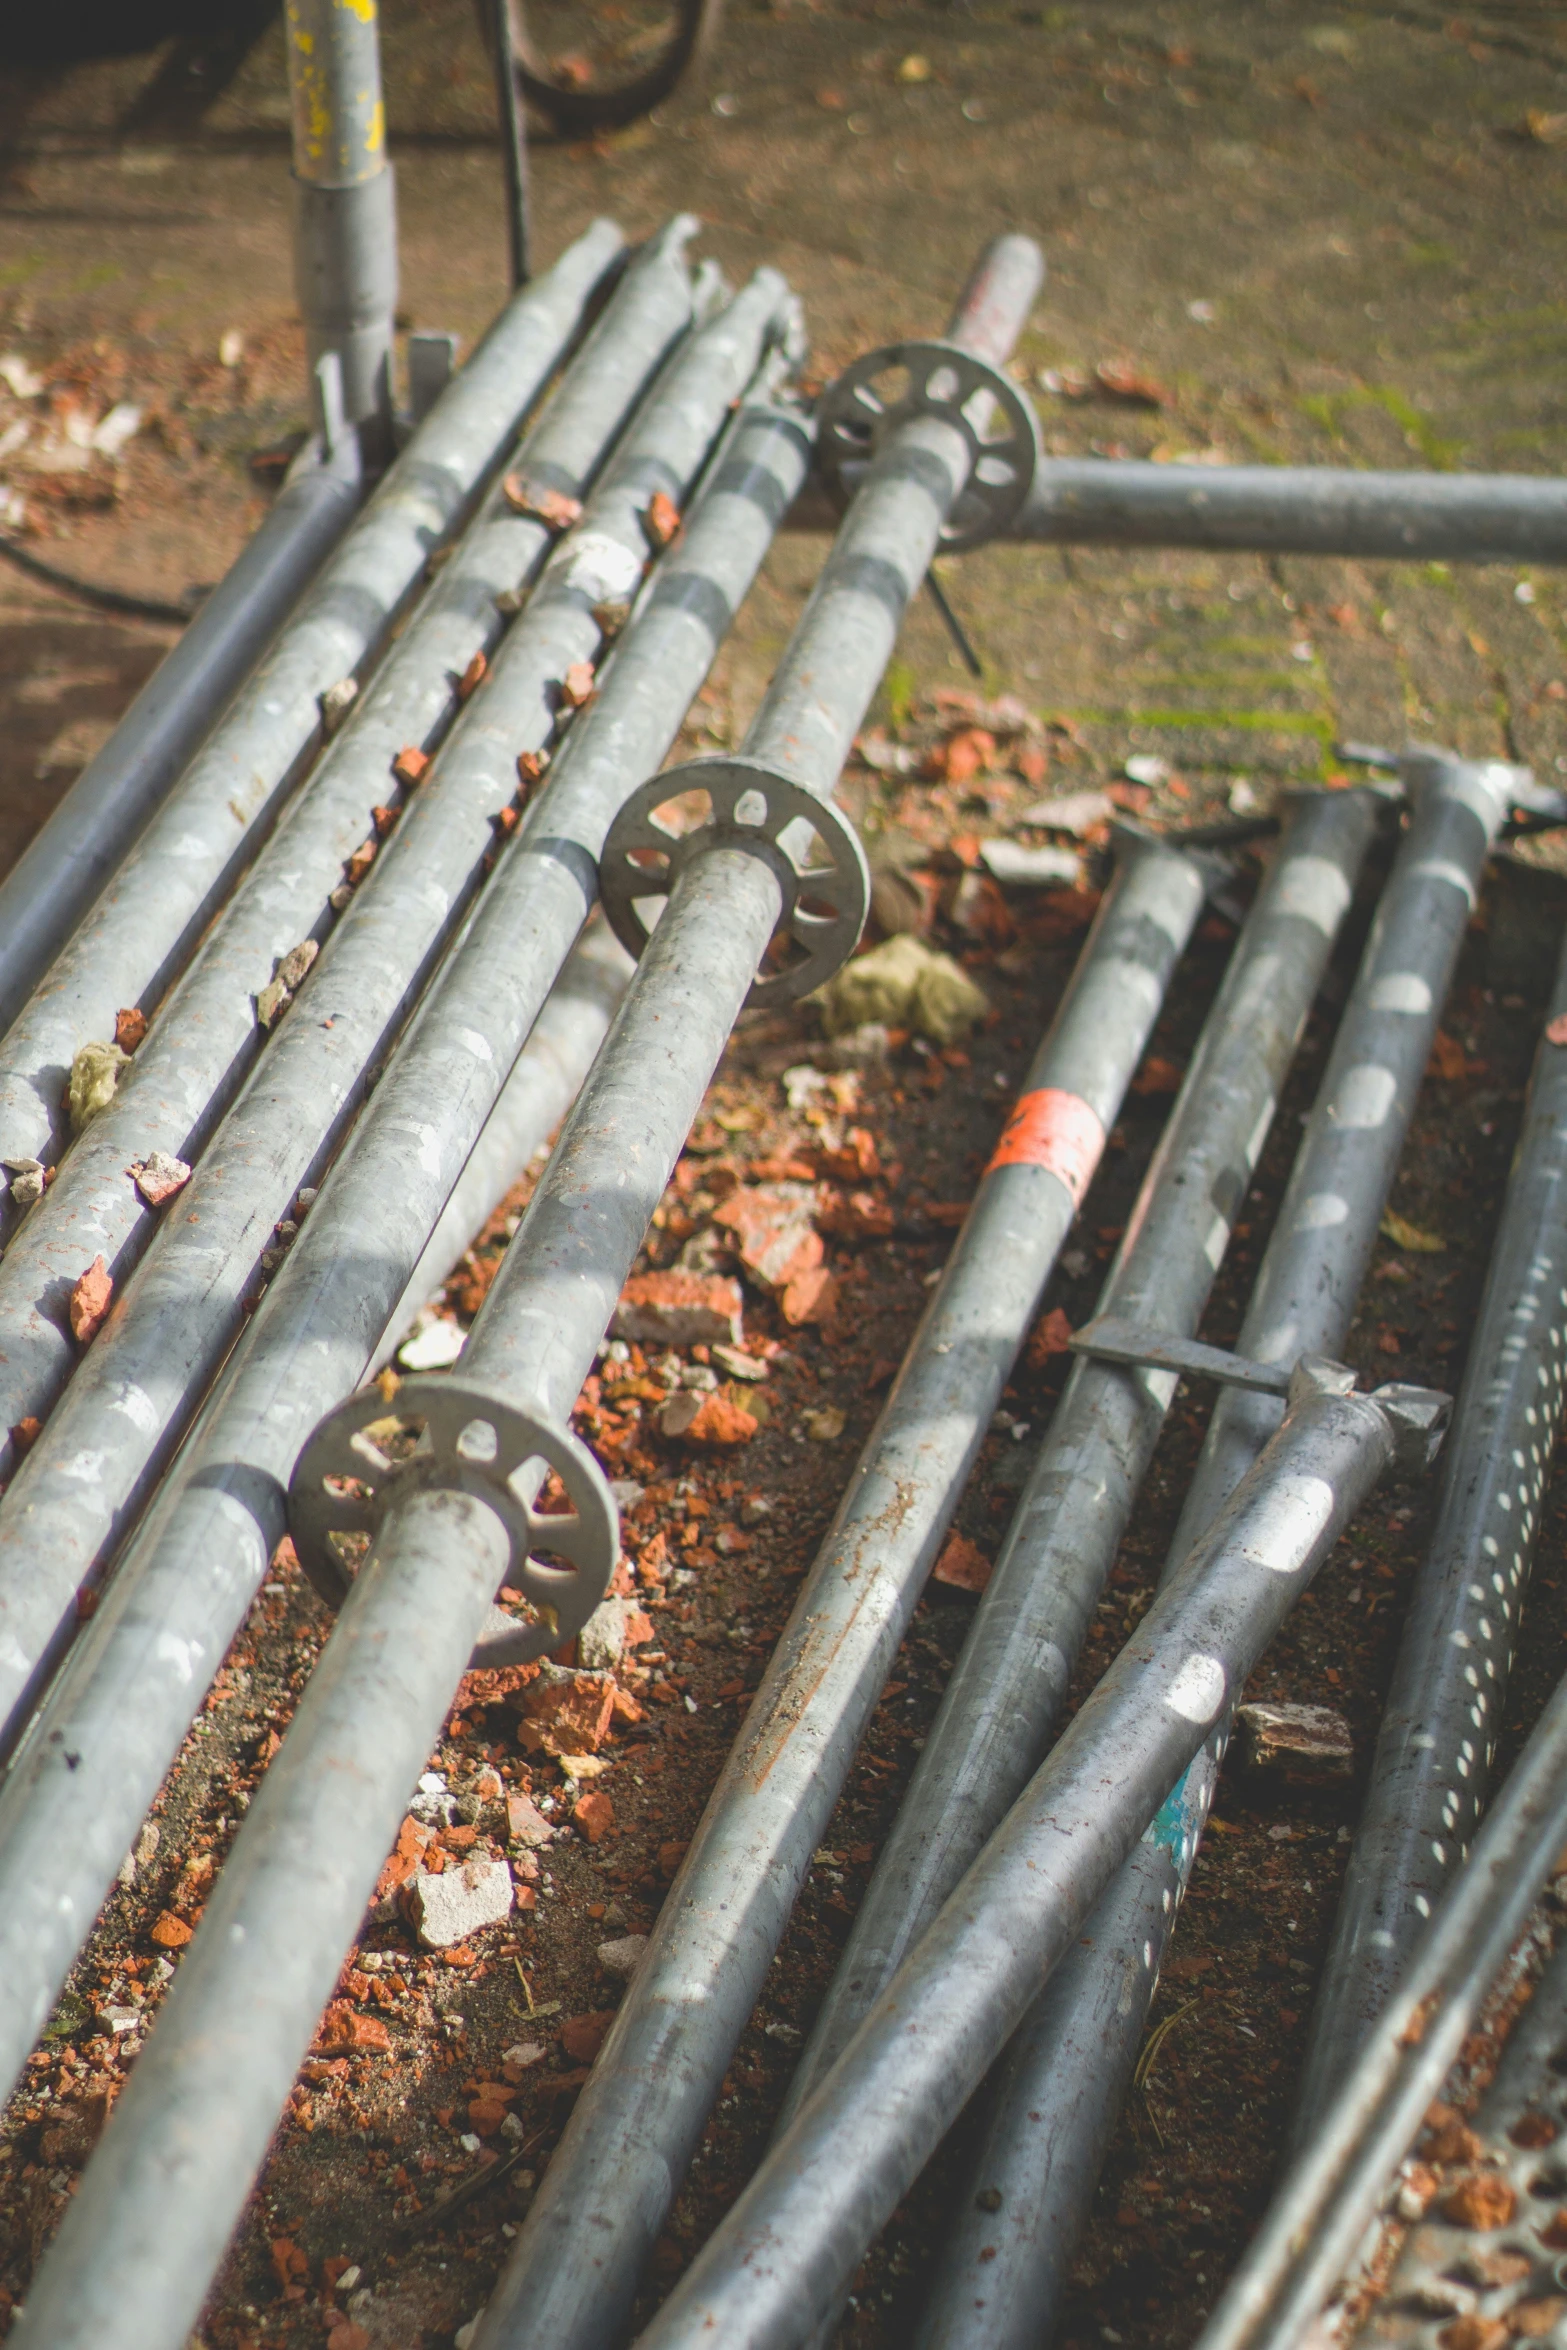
1322	237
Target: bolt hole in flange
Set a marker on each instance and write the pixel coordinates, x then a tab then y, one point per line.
439	1435
736	802
891	387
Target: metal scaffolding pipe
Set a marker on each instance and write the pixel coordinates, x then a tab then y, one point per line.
1066	2074
113	1723
1319	2217
160	902
66	863
631	2136
1005	1697
209	1034
128	1402
777	2264
345	219
1297	510
1437	1742
211	2081
540	1090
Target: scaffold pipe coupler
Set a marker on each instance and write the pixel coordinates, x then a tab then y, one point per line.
748	805
439	1435
901	381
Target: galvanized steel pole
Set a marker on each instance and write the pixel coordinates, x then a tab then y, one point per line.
610	2183
777	2264
1067	2072
209	1033
113	1723
345	220
142	929
1297	510
126	1405
158	2202
561	1049
1437	1742
1004	1699
67	863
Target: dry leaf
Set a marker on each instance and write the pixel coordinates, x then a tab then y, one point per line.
1398	1228
1126	384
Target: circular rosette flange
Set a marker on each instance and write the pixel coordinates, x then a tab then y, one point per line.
437	1434
902	381
737	803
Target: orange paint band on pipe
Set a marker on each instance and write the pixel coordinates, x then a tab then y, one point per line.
1055	1130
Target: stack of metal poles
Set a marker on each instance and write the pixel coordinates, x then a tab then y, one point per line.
778	2264
95	1755
638	2121
127	1401
195	2122
1066	2075
142	930
611	2181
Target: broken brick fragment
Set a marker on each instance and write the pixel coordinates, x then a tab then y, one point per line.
170	1932
661	520
343	2029
810	1297
962	1565
576	687
90	1302
774	1232
531	767
1051	1335
707	1419
680	1309
473	676
594	1814
568	1715
1485	2200
406	1854
411	765
130	1026
556	509
582	2036
160	1178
